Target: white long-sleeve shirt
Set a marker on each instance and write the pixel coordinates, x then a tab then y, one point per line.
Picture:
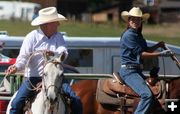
34	41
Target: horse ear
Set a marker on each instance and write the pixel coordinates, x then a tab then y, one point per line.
62	57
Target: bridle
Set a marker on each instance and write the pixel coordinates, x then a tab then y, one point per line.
43	86
52	104
52	85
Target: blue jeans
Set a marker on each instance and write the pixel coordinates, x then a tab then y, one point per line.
24	93
136	80
76	104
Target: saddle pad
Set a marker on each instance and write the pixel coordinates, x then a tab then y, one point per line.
105	98
113	87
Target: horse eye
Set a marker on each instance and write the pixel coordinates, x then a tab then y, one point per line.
45	74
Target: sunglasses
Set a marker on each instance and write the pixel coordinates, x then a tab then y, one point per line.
135	18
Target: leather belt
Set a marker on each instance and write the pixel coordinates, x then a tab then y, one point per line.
133	66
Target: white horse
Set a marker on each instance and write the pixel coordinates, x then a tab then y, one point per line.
49	100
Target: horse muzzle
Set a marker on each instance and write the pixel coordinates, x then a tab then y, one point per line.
52	101
51	94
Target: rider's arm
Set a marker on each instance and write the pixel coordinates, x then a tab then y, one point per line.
11	70
149	54
165	53
156	46
61	46
25	52
22	57
20	63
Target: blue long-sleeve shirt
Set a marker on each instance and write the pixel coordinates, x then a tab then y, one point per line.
132	44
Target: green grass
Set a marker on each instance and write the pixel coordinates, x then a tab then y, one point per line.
89	29
173	41
169	33
16	28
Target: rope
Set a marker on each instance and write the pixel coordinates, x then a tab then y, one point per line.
46	58
43	52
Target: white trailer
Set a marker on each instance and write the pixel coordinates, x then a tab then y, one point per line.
98	55
17	10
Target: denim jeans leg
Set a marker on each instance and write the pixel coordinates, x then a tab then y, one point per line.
76	104
22	94
134	79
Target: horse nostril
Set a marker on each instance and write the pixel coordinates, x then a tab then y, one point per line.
52	101
55	99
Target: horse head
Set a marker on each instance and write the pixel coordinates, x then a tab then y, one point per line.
53	76
49	99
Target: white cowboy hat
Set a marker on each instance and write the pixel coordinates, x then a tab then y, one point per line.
134	12
47	15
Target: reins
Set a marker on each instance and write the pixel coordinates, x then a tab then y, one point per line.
55	103
51	85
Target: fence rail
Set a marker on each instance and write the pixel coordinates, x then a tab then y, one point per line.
16	79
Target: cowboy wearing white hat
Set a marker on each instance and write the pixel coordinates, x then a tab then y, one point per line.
134	12
133	51
46	37
47	15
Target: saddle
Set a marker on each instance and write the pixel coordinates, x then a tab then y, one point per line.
115	91
117	86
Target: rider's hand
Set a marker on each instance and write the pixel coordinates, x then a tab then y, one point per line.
11	70
166	53
49	53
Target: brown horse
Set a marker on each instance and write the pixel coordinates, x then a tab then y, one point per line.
94	95
87	90
174	93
